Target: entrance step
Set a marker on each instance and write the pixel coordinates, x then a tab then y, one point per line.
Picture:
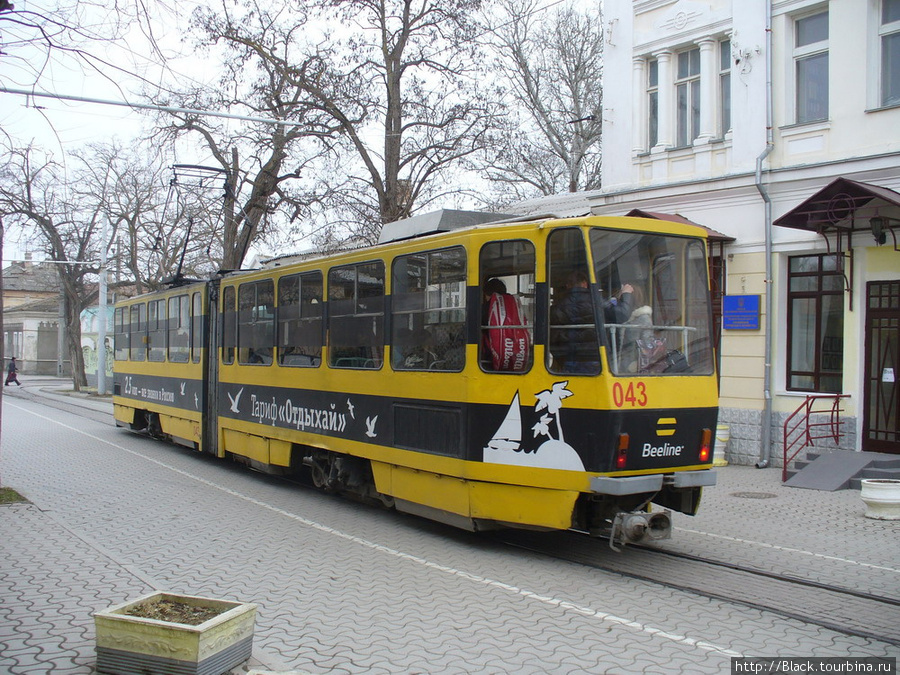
842	470
876	472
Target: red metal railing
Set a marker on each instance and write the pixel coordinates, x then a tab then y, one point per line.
800	431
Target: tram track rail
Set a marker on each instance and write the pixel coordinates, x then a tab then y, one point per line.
844	610
63	402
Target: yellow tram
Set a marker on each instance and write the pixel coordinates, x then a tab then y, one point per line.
544	374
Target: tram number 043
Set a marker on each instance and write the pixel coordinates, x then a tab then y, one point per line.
634	394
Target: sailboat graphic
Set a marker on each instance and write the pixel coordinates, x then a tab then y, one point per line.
505	447
508	436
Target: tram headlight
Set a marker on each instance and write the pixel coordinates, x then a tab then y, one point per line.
705	445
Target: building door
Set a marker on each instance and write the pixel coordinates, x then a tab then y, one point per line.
881	419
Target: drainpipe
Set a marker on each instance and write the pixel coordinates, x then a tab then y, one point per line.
766	435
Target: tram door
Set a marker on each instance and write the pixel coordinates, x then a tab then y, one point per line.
881	420
211	374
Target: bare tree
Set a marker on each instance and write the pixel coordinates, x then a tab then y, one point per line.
259	164
387	90
551	63
158	235
33	191
37	35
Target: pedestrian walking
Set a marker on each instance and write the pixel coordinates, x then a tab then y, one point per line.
11	372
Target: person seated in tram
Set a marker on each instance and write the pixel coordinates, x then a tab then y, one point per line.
574	343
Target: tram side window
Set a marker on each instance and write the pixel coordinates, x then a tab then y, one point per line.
137	343
156	330
428	300
356	315
196	326
300	320
256	322
506	271
572	344
121	335
229	325
179	328
657	312
699	346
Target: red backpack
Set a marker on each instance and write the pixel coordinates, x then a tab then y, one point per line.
507	337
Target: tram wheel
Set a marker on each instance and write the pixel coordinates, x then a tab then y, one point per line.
154	428
319	477
321	470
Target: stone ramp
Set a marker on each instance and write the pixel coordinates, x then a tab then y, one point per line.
843	470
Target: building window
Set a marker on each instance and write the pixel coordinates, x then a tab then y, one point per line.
687	96
724	87
653	102
811	67
889	32
815	354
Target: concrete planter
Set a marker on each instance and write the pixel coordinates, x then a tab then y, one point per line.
882	498
133	645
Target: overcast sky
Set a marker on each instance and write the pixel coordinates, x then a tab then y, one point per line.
59	125
50	122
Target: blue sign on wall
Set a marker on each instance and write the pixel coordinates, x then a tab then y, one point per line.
740	312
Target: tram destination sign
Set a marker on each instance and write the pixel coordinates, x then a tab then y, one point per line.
740	312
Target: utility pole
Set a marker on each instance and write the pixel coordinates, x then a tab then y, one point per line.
2	332
101	327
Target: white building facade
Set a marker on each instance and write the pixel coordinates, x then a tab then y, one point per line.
778	125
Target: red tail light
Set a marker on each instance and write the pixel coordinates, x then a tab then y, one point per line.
705	446
622	451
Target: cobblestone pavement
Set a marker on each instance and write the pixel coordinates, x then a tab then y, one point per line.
346	588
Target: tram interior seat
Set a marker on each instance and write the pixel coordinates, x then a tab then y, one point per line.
449	347
298	359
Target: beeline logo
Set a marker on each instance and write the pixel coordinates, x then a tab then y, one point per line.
664	450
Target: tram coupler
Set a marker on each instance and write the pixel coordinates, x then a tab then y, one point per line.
637	527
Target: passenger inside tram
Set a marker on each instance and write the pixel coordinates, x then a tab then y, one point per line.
574	347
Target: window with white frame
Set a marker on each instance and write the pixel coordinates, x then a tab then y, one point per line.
889	33
724	87
653	102
687	96
811	67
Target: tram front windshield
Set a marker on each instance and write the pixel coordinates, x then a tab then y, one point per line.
654	294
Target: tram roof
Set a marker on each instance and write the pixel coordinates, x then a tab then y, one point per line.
442	220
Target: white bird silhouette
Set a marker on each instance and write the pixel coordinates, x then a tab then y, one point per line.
370	426
182	387
350	408
196	402
234	400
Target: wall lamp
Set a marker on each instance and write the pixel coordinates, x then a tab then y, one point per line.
877	223
880	226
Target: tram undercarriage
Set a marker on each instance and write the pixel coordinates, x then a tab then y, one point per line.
622	519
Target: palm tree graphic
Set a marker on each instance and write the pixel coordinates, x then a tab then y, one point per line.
551	401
